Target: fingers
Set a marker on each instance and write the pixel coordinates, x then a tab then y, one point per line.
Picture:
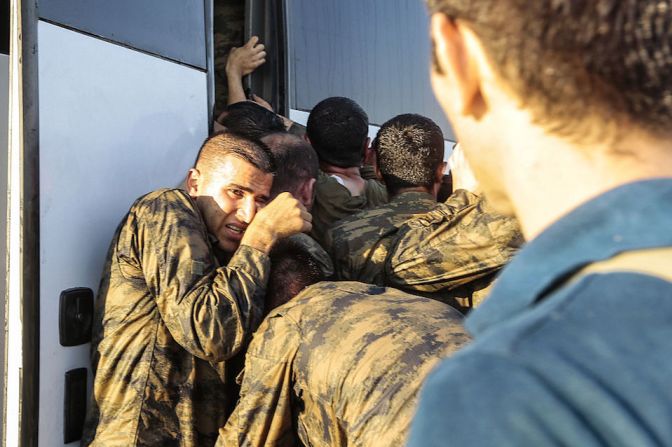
252	42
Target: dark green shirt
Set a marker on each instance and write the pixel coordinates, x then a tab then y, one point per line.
334	202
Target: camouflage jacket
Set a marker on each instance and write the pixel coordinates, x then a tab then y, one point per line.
334	202
340	365
359	244
166	317
455	251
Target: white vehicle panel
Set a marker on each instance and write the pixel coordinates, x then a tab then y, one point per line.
114	124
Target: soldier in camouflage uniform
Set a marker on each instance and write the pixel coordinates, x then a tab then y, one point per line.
454	252
337	129
409	150
182	289
338	365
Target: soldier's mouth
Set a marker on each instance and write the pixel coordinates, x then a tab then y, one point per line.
235	229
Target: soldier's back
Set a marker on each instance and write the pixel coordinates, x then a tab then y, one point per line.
363	354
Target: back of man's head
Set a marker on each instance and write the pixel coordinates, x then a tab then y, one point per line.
296	163
223	144
292	270
338	128
409	151
250	119
579	66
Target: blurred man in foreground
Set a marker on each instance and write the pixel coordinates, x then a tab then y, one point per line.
564	110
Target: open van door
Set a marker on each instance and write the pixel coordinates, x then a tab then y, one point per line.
110	101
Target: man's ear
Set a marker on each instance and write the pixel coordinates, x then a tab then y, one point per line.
307	193
440	172
194	182
457	64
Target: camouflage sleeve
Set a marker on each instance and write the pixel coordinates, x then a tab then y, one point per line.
455	244
263	415
337	248
209	310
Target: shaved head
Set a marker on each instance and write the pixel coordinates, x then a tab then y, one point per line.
296	162
215	149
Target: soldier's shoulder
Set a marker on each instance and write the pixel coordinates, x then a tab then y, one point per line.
165	204
164	196
357	220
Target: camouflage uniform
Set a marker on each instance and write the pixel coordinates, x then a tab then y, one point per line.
229	28
341	364
359	244
334	202
167	315
455	251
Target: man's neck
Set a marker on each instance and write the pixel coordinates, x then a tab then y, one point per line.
561	176
351	172
351	178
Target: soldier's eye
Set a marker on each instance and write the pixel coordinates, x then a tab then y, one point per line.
237	193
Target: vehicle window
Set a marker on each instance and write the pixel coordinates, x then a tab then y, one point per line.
376	52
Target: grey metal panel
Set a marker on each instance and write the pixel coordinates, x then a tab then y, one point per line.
174	29
376	52
4	139
114	124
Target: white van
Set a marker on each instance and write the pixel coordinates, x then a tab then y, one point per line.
110	100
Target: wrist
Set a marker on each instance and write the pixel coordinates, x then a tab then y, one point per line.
261	238
232	73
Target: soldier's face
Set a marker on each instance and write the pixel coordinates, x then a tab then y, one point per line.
229	197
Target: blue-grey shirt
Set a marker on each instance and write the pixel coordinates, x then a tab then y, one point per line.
578	363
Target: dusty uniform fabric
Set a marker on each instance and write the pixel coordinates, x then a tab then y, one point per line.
359	244
334	202
339	365
166	317
229	26
455	251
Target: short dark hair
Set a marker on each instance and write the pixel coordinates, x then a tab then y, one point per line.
217	146
250	119
409	150
296	162
337	128
292	270
569	60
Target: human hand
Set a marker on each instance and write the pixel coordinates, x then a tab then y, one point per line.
244	60
463	177
281	218
262	102
266	105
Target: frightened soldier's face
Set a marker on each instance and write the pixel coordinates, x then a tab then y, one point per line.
229	196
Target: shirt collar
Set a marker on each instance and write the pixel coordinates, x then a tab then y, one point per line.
411	196
633	216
